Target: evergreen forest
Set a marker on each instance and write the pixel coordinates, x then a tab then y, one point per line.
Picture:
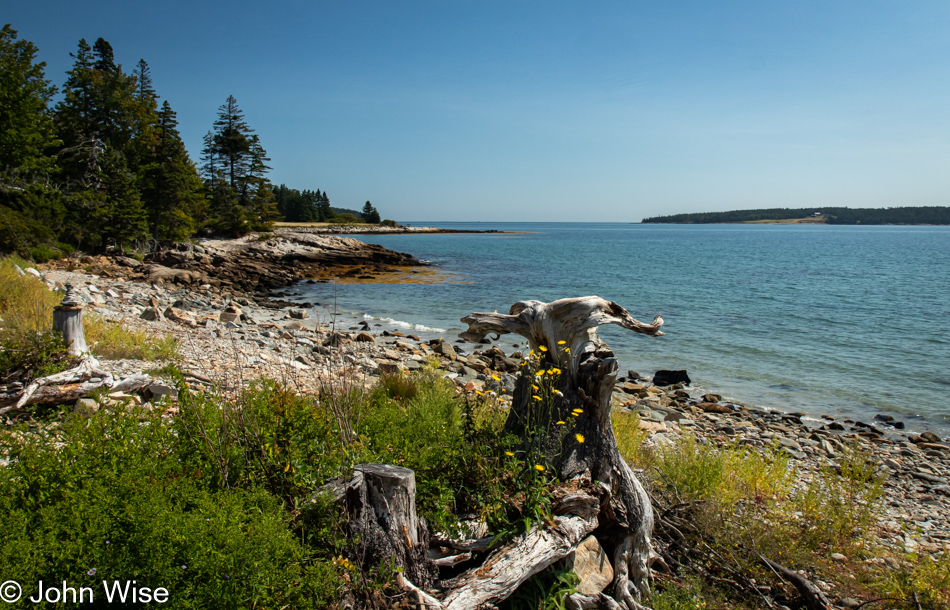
99	164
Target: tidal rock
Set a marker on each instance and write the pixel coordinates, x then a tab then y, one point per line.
591	565
670	377
365	337
179	317
711	398
298	314
152	314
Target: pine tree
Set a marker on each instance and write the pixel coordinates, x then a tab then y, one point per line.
324	213
26	129
30	208
370	214
233	155
171	189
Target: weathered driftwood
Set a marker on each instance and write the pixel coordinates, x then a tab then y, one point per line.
589	373
88	368
521	558
74	384
381	500
67	319
814	598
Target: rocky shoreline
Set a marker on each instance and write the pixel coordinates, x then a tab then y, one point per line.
229	336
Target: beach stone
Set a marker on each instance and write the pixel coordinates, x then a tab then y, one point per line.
838	557
633	375
637	389
297	326
444	348
365	337
226	316
157	390
388	368
338	339
664	377
298	314
712	407
179	317
37	275
591	565
711	397
653	426
85	406
151	314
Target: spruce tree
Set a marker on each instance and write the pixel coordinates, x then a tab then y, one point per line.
370	214
233	154
30	208
171	189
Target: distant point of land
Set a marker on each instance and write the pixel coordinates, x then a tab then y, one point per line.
934	215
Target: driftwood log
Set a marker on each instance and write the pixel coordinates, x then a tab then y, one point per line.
589	372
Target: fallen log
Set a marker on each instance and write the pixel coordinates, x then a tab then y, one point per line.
521	558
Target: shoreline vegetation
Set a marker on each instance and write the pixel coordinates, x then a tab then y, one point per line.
253	405
208	444
933	215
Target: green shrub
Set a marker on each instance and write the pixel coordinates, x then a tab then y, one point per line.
840	505
110	497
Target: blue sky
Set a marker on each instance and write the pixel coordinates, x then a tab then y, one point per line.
561	111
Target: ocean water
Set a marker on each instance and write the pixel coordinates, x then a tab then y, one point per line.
846	321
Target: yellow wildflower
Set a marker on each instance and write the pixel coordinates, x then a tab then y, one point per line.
539	467
560	423
562	342
496	377
579	437
536	397
567	349
509	454
542	348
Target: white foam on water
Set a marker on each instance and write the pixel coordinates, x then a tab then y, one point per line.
401	324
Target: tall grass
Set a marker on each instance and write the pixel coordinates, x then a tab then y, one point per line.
26	311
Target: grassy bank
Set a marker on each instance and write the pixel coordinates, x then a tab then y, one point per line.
28	346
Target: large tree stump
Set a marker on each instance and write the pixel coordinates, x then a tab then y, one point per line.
67	319
586	383
381	500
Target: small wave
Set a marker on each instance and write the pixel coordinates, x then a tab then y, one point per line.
401	324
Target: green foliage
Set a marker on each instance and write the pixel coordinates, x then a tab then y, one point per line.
925	578
110	497
27	356
840	505
234	168
26	130
370	214
543	591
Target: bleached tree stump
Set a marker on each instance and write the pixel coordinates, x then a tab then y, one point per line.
381	500
586	383
67	319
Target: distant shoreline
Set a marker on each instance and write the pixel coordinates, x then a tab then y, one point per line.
319	228
930	215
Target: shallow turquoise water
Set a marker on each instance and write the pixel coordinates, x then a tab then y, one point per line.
850	321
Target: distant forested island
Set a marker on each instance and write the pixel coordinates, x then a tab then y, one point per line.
931	215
